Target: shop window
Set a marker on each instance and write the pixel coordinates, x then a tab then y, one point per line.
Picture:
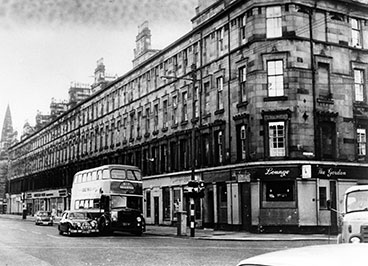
278	194
359	87
322	197
273	22
177	204
148	203
275	77
166	203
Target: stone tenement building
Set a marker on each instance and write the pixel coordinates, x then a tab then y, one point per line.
266	101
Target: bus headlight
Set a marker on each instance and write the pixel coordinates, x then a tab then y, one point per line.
355	240
114	216
139	219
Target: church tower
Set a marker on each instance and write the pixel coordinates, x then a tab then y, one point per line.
7	133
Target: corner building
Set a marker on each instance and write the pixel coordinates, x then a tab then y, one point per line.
268	107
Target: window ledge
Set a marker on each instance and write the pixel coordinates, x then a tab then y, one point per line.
164	129
155	132
146	135
275	98
184	123
220	111
325	101
242	104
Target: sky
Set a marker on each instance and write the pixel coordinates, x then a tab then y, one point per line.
47	44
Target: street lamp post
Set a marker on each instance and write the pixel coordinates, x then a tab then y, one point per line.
193	79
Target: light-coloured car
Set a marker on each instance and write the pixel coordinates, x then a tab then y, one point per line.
77	222
317	255
43	217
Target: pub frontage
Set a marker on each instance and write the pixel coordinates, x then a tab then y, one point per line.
289	196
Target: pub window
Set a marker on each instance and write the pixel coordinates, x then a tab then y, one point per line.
277	138
275	77
166	203
278	194
362	142
273	22
359	85
220	87
355	33
242	83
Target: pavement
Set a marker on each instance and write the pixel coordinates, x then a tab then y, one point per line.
211	234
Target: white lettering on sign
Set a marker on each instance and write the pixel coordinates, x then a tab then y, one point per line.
281	173
331	172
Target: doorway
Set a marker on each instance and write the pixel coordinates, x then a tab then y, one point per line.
156	210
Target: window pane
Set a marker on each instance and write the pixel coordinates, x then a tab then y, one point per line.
279	191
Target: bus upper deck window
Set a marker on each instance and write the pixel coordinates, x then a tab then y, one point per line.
134	175
105	174
89	177
94	176
78	179
118	174
84	178
99	174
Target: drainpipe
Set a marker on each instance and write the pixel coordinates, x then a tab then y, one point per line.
229	81
311	45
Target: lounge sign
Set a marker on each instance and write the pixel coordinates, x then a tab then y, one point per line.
279	172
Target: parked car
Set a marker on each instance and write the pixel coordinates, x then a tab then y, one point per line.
43	217
77	222
318	255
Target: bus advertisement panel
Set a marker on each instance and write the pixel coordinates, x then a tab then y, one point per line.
113	194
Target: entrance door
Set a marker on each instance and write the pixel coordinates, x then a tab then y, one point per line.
222	203
245	206
156	209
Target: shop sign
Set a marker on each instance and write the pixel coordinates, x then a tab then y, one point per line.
277	172
332	172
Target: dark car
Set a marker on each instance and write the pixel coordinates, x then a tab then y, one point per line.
43	217
77	222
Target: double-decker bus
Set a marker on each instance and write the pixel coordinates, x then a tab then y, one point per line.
113	194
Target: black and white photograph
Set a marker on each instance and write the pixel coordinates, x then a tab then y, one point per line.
183	132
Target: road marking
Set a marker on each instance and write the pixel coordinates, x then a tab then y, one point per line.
34	232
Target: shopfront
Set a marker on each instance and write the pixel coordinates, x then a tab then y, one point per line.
56	201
